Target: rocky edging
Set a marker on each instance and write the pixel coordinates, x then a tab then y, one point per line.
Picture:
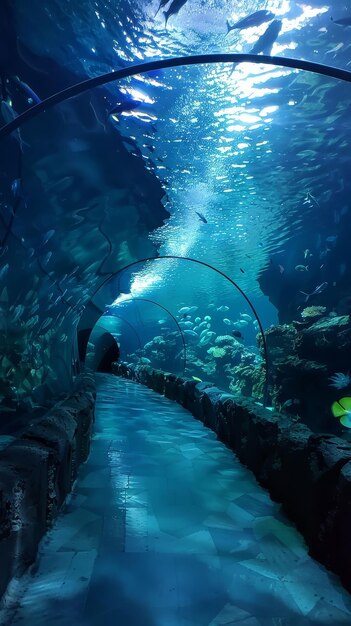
37	472
310	474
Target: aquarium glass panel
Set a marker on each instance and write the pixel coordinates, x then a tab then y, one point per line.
244	168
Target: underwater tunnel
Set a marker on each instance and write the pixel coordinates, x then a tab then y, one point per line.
175	390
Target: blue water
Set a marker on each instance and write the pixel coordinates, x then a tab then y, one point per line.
165	527
243	172
261	152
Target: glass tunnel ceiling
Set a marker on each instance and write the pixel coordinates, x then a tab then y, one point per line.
259	151
62	297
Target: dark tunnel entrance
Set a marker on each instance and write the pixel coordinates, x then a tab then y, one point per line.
106	352
82	339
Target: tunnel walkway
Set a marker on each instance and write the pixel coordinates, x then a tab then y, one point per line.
166	528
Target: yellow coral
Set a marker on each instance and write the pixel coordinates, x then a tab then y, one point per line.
216	352
313	311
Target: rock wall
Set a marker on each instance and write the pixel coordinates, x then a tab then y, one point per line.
36	474
310	474
304	356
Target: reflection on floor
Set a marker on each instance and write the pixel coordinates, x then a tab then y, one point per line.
166	528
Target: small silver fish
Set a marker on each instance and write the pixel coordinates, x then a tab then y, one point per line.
46	323
192	333
15	186
203	325
301	268
47	237
47	258
18	312
246	317
4	271
204	341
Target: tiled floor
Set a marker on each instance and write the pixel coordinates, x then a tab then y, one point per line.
166	528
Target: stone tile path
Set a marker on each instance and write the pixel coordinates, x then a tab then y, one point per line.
166	528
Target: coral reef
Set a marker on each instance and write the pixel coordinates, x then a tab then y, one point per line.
226	362
225	340
301	364
309	360
216	352
160	350
339	380
313	312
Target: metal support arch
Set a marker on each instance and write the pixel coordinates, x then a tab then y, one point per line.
166	310
200	59
184	258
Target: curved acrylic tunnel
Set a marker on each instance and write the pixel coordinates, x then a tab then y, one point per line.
141	321
103	350
169	332
83	190
215	356
68	214
107	331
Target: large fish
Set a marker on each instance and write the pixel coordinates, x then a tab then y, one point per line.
161	5
266	41
343	21
173	9
255	19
